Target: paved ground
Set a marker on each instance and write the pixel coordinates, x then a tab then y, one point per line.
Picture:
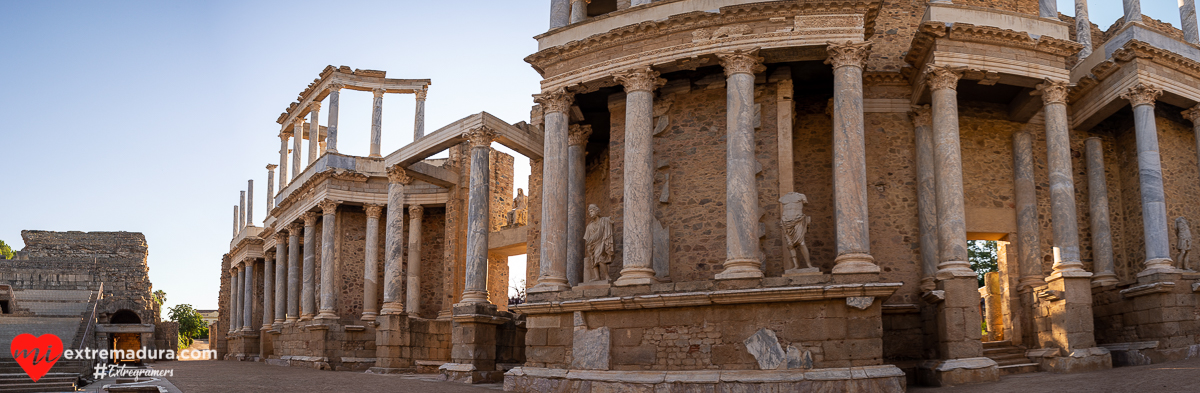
232	376
1181	376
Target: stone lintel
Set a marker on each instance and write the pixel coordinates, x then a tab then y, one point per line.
726	297
1147	289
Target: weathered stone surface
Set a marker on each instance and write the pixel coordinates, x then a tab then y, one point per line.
590	349
765	348
797	359
860	302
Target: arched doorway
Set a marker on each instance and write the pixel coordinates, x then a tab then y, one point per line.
123	343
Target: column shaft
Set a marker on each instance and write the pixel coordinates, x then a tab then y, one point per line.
1154	204
850	161
377	122
248	297
1187	18
635	3
1133	10
1048	9
1102	244
233	299
308	290
242	211
236	227
393	268
742	249
371	264
419	115
270	187
578	11
250	202
293	273
281	284
926	195
576	210
297	144
314	132
637	223
1063	216
328	260
478	216
560	13
952	223
283	160
552	264
1028	245
1083	28
331	130
413	304
268	315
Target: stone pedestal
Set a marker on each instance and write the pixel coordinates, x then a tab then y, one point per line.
393	354
959	337
958	371
1067	301
473	354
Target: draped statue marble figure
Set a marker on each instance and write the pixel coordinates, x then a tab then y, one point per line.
795	226
598	246
1183	242
519	215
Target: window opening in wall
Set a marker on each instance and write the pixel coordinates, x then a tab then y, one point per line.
4	307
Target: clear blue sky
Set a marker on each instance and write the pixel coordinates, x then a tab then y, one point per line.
151	116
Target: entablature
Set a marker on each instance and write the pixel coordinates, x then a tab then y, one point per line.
1096	94
524	140
361	80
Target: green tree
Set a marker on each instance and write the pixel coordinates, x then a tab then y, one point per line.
982	254
191	323
160	297
6	252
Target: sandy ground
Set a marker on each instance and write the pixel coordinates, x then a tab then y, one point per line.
233	376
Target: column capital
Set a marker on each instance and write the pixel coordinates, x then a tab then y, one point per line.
921	115
285	135
853	54
640	79
329	206
294	228
416	210
741	62
397	174
298	122
1192	115
422	93
480	137
373	210
558	100
378	92
943	77
310	219
1142	94
314	107
336	87
271	167
577	134
280	237
1052	91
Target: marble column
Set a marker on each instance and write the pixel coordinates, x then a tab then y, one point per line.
281	278
1193	115
1187	18
377	122
1133	10
268	315
309	286
922	118
328	259
1102	244
234	283
242	211
297	144
283	158
314	132
578	11
637	234
419	114
552	274
741	191
577	137
250	203
850	160
371	264
293	272
478	216
1048	9
952	222
636	3
393	259
1029	255
1154	203
1083	28
270	187
236	227
560	13
1063	218
248	296
413	294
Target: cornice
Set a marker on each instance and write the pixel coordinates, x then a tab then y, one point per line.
726	297
1133	51
929	32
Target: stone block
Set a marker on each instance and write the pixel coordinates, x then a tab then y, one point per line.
765	348
639	355
590	349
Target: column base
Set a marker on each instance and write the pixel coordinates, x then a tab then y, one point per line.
952	372
739	269
927	284
474	297
1159	266
1104	279
952	269
545	286
636	276
391	308
291	319
306	317
854	263
327	315
369	316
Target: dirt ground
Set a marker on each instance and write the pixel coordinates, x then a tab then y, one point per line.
1181	376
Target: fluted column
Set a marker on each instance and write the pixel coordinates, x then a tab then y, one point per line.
578	11
419	114
281	284
577	137
1133	10
1063	218
560	13
371	264
297	143
270	187
1154	202
1048	9
293	272
283	159
234	290
393	267
552	264
413	294
1187	17
242	211
850	160
331	129
328	292
248	296
952	222
250	203
1083	28
268	315
1102	244
1028	244
637	223
377	122
922	118
741	191
308	290
478	216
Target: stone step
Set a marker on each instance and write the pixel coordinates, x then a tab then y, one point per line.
997	344
1020	368
38	387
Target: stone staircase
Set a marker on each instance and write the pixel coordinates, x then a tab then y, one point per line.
1011	358
14	380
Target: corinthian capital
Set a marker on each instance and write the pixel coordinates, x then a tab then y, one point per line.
943	77
329	206
741	62
314	107
556	101
848	54
336	87
415	210
397	174
577	134
921	115
1052	91
422	93
373	210
640	79
1192	114
480	137
280	237
271	167
1142	94
294	229
310	219
378	92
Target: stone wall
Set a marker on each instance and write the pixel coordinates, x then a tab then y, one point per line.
433	243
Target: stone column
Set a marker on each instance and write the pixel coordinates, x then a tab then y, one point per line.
371	264
283	158
268	315
576	209
328	259
1083	28
393	258
1102	245
314	132
293	272
850	160
1133	10
413	303
335	99
578	11
377	122
1028	244
1193	115
952	222
242	211
250	203
236	227
308	290
479	216
636	3
419	114
297	140
1187	17
1063	219
922	118
560	13
1154	203
637	234
552	264
248	296
1048	9
234	283
741	192
281	284
270	187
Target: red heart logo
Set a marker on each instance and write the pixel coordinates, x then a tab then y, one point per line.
36	355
